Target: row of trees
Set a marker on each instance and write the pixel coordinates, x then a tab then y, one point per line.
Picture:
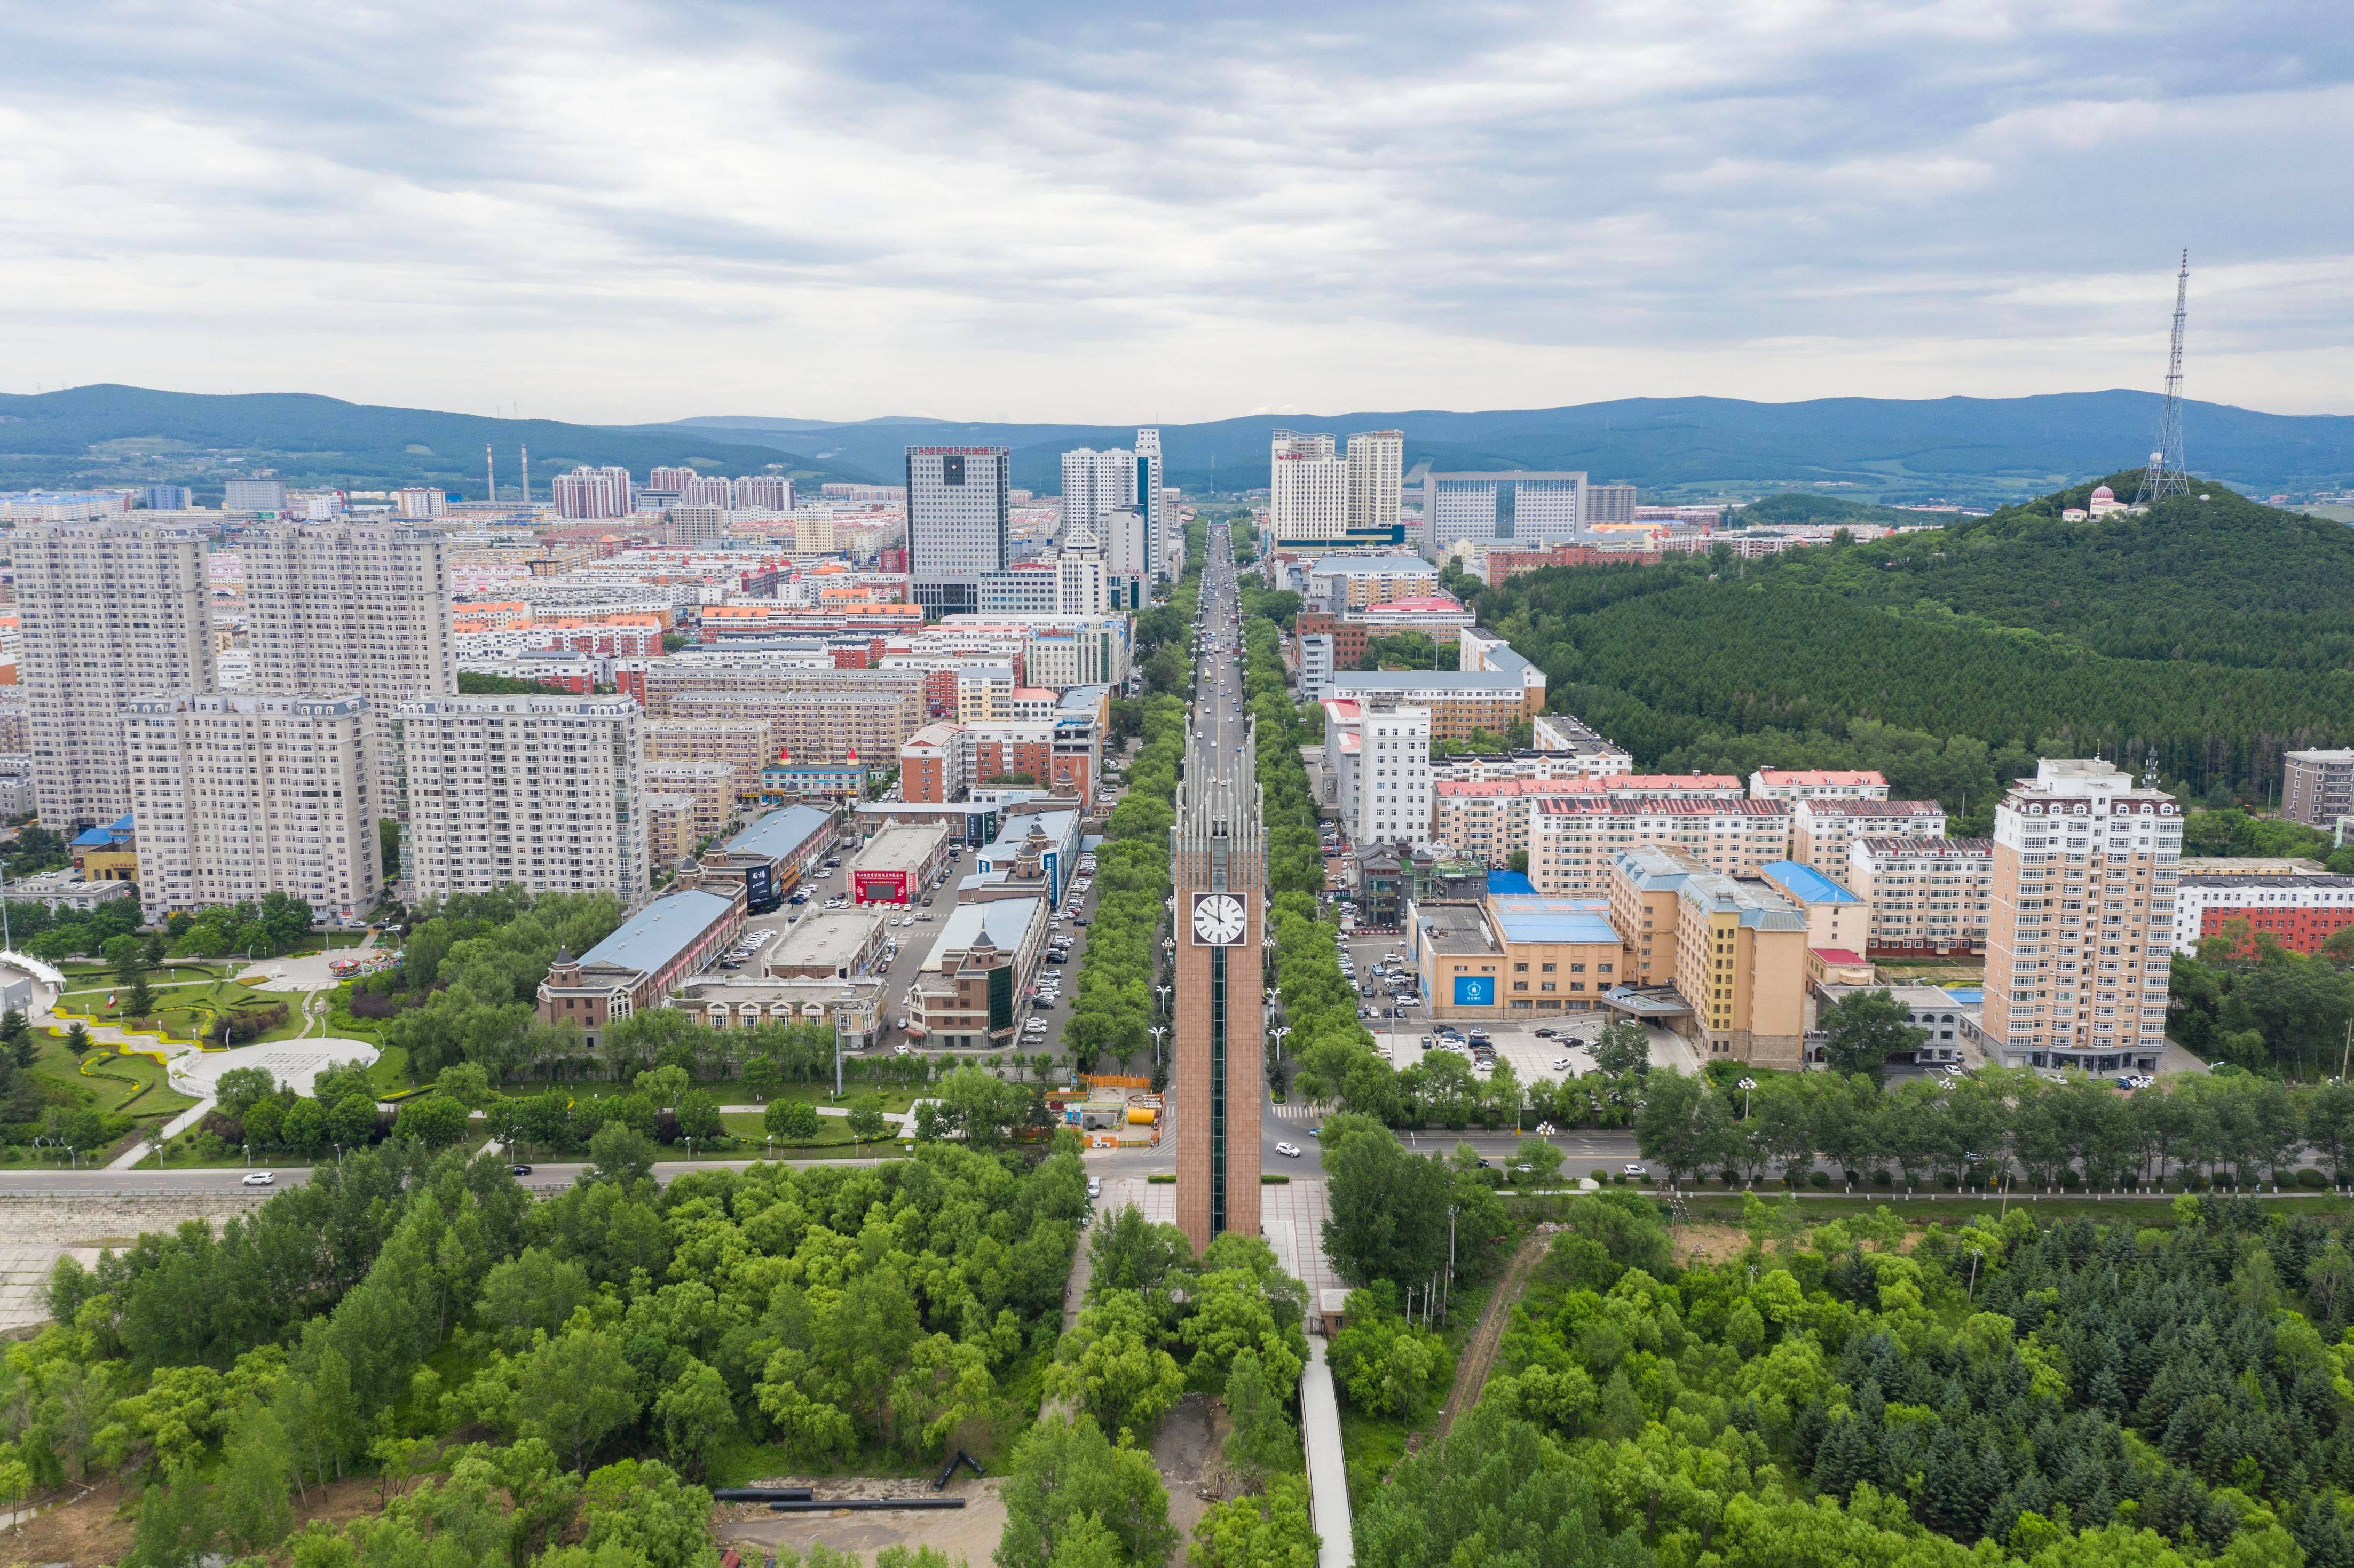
2230	1127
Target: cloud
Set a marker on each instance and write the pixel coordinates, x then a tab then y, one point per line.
614	211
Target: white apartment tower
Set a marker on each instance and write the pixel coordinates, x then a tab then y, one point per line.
1095	482
670	480
544	792
1376	477
1377	756
352	606
1308	488
762	493
106	612
958	511
1098	483
239	796
593	493
1164	545
1079	584
2082	925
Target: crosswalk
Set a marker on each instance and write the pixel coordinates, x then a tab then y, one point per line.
1297	1112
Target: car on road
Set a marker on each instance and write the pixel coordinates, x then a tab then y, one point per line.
1289	1151
518	1170
1633	1168
1095	1186
903	1049
259	1179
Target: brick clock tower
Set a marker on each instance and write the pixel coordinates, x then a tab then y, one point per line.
1218	869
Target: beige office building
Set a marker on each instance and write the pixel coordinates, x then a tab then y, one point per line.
236	797
546	793
2081	926
352	606
1376	478
106	612
1733	950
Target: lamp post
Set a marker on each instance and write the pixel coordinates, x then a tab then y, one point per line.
1278	1034
1166	992
249	1154
1745	1086
1157	1030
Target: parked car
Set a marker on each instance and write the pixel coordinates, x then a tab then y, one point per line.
1545	1034
1561	1063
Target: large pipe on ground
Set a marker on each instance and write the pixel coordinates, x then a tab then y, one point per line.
762	1494
863	1505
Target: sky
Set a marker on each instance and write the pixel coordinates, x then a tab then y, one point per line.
614	212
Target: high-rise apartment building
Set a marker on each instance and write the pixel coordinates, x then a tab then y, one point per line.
671	481
1511	506
1609	504
958	511
705	490
352	606
593	493
762	493
2077	942
1377	756
1093	482
1164	543
1376	470
1929	896
2317	787
254	495
542	792
169	498
1308	487
106	612
1080	580
419	501
236	797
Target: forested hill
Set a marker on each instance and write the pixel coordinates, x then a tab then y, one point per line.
2214	631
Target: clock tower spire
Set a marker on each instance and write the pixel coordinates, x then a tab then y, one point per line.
1218	869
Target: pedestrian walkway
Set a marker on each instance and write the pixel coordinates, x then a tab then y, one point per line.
1327	1465
1289	1111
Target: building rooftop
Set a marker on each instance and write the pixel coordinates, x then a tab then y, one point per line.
1559	805
1508	883
1654	867
1372	566
2342	755
902	846
1821	776
1007	921
1752	904
1431	605
824	942
1965	849
1535	919
2247	865
2259	879
781	833
1844	806
1426	681
655	934
1804	884
1453	928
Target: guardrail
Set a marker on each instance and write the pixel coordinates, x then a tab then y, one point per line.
22	1194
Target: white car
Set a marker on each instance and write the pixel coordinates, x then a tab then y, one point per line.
260	1178
1633	1168
1561	1063
1289	1151
902	1050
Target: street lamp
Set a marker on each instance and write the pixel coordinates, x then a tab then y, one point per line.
1157	1030
1278	1034
1166	992
1745	1086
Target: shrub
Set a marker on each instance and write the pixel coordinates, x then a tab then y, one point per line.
2310	1177
1600	1177
1164	1179
1267	1178
1819	1179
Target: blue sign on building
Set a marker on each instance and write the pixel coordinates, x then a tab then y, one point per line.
1475	990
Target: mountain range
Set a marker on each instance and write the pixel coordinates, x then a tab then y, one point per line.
1872	449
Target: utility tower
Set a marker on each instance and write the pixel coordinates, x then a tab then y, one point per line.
2165	474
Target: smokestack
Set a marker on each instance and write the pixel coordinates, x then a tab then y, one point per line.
490	473
526	476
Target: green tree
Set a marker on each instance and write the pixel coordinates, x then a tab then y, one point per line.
1111	1367
621	1153
795	1122
1864	1029
1623	1046
17	1038
1271	1531
639	1511
1484	1493
1388	1218
466	1083
866	1123
1262	1441
256	1468
574	1392
237	1090
1683	1125
175	1527
77	1039
1536	1162
696	1416
433	1120
1066	1475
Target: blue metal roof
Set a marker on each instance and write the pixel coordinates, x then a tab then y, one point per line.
1968	995
1806	884
658	933
780	832
1533	919
1510	883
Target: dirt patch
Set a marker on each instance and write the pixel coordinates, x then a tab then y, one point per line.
1189	1452
41	1230
1711	1244
970	1532
97	1526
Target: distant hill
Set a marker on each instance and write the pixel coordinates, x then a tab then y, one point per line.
1954	449
2212	633
127	435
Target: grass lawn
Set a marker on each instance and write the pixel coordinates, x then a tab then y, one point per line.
390	1071
732	1092
130	1086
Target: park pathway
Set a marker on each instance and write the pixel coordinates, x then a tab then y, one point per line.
1478	1356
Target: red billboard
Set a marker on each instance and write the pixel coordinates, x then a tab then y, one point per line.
879	887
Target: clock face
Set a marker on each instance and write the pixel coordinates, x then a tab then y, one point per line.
1218	919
